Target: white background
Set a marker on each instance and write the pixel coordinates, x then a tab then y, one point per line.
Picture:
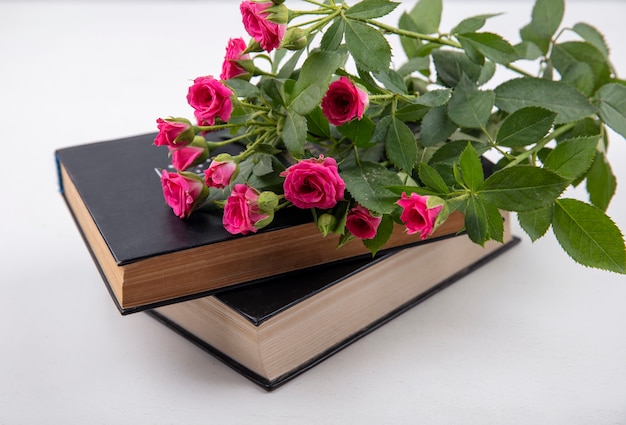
531	338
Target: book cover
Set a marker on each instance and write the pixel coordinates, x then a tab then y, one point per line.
273	332
147	256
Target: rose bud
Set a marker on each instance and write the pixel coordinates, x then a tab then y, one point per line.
174	132
422	214
222	171
259	21
233	60
326	224
295	39
188	156
241	212
183	192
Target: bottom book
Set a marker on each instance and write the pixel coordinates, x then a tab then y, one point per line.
275	330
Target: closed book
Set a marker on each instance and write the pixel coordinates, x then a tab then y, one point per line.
274	331
147	256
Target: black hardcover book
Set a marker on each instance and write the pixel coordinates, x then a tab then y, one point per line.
274	331
148	257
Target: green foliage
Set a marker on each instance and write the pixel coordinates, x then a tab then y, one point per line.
589	236
470	107
367	45
368	183
572	157
525	126
611	102
537	222
569	103
428	121
523	188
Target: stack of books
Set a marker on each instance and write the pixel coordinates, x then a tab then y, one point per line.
271	305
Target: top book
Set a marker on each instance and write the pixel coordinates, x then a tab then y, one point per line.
149	257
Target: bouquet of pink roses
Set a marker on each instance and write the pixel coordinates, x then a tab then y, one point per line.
366	148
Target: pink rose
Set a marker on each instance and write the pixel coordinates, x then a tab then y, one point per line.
210	99
175	132
255	20
221	171
188	156
361	223
182	192
230	67
417	216
241	213
313	183
344	101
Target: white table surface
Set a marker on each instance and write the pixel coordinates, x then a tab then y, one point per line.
531	338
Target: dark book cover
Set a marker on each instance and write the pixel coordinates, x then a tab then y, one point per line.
258	303
118	184
120	189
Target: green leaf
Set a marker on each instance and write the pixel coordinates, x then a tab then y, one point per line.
436	127
495	223
589	236
580	76
528	50
289	66
522	188
333	36
392	81
486	73
383	233
570	104
418	64
571	158
380	132
315	75
451	66
601	182
411	46
492	46
427	15
471	168
262	165
537	222
592	36
368	184
412	112
370	9
317	123
468	106
472	24
476	222
546	19
359	131
611	102
451	152
243	88
434	98
525	126
400	145
574	53
294	133
547	16
368	46
432	179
